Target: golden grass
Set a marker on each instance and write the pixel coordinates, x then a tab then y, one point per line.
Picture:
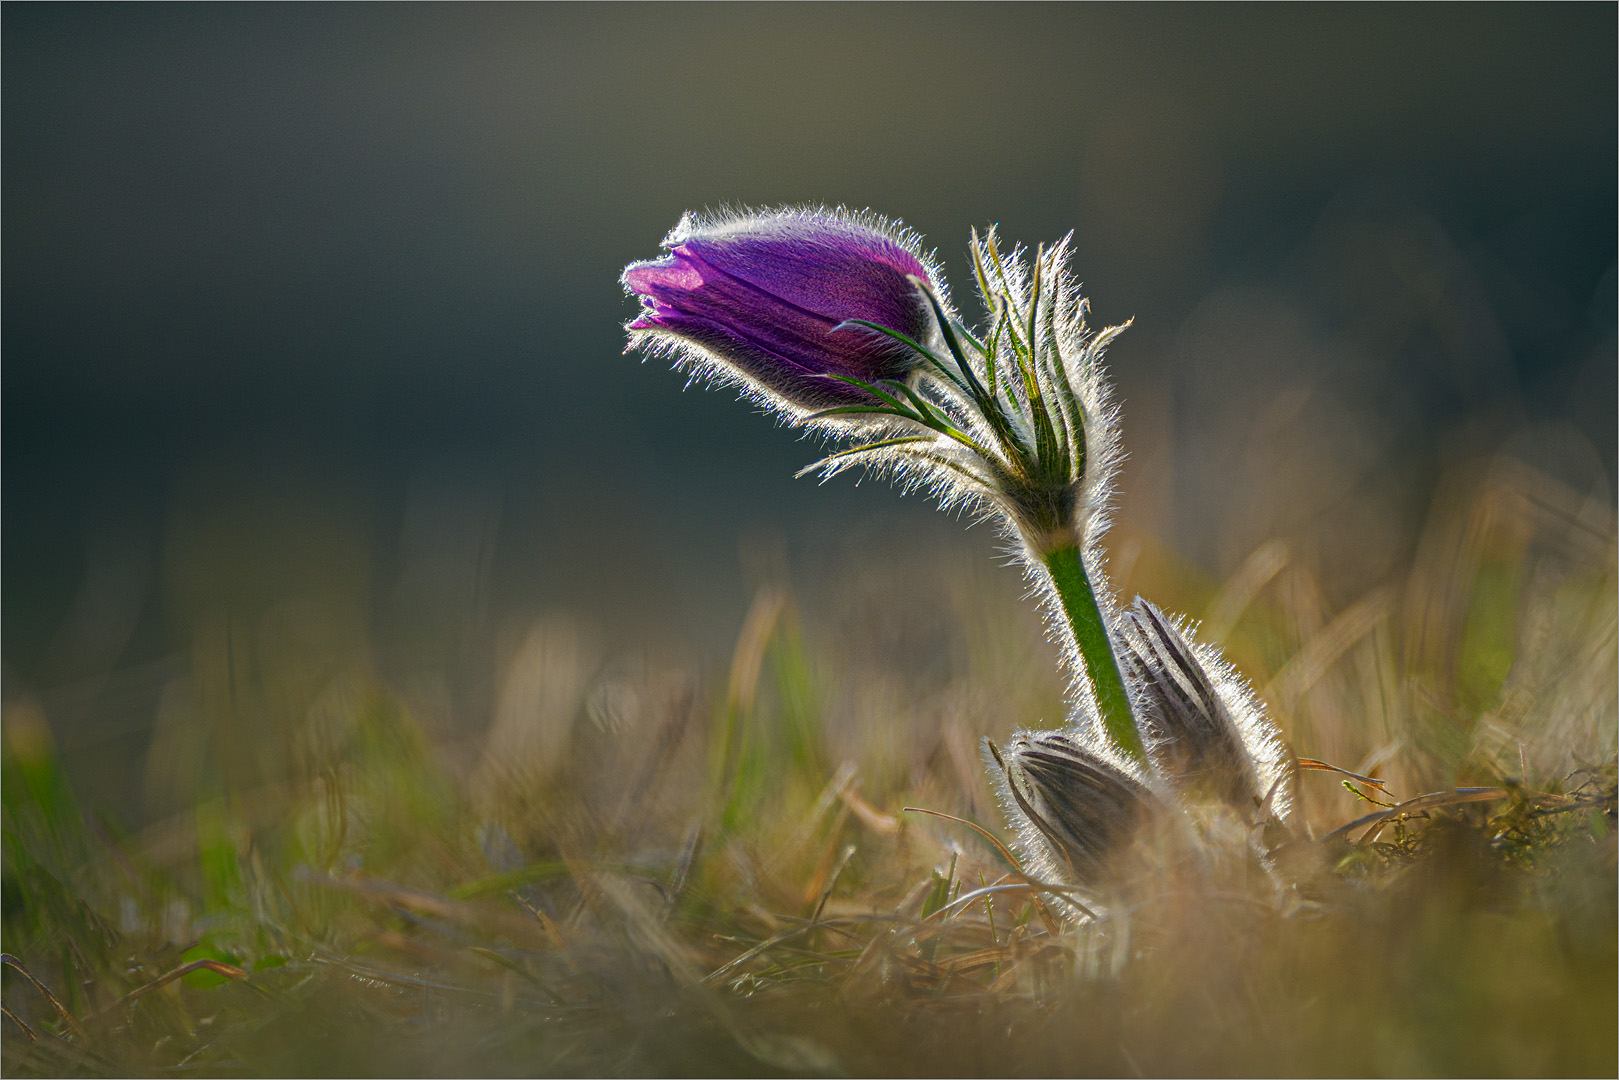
648	868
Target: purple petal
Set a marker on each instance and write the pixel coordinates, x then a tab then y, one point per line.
774	369
673	272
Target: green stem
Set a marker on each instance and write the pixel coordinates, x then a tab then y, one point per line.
1067	569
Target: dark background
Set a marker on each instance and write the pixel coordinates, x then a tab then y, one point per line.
321	302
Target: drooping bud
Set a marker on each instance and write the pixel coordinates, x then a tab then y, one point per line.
1074	808
1203	731
767	300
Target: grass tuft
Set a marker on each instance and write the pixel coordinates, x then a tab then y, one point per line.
794	866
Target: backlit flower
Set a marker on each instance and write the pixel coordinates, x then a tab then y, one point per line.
774	301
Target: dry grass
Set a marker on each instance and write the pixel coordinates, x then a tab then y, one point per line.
644	868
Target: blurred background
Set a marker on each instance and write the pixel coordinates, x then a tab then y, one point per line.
313	372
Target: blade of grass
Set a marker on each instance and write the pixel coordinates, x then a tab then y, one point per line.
1011	860
61	1010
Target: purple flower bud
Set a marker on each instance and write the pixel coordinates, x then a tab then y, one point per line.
764	300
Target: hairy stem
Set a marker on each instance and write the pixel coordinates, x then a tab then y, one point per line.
1067	570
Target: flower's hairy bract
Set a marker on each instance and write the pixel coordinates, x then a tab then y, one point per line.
1017	419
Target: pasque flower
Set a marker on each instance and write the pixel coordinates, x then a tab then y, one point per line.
839	320
780	302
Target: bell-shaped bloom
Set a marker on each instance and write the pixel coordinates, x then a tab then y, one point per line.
766	300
